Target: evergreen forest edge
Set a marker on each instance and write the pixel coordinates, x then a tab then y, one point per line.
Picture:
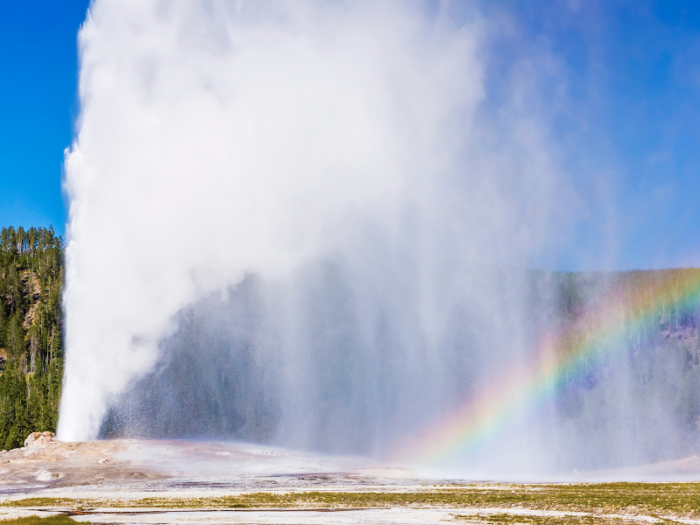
31	328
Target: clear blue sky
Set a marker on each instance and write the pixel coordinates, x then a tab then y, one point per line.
38	61
631	130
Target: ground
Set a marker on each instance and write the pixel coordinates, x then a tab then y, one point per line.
127	481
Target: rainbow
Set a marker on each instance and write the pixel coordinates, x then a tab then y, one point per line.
631	304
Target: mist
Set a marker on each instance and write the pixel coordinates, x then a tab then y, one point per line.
308	223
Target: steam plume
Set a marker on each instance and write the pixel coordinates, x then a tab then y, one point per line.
223	138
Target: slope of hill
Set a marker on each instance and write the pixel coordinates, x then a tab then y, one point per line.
31	364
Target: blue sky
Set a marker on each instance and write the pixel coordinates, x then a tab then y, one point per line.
630	129
38	83
632	123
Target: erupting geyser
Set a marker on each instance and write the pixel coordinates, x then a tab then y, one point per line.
302	222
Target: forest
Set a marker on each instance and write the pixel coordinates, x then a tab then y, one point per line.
31	358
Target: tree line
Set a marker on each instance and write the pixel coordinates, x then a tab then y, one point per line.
31	324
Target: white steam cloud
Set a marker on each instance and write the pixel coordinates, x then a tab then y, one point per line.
222	137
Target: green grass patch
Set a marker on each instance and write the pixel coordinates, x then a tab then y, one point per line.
71	503
519	519
36	520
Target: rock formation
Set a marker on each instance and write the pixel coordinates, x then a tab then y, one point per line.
40	439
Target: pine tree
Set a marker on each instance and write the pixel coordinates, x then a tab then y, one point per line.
31	282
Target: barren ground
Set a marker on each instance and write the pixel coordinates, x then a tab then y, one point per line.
127	481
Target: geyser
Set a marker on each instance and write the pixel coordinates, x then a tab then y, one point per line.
306	222
230	137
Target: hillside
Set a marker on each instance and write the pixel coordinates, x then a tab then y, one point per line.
31	363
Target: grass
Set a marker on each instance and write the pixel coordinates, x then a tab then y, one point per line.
519	519
36	520
651	499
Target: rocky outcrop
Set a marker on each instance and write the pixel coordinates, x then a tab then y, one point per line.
40	439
